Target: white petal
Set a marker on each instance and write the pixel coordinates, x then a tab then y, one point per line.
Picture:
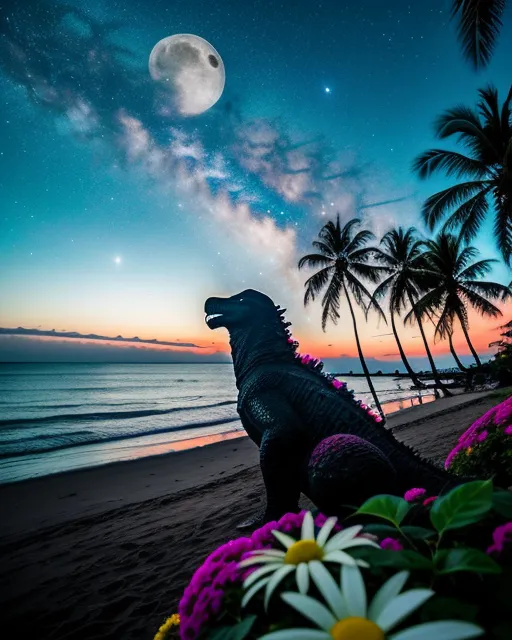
362	563
297	634
285	540
254	589
341	557
358	542
256	560
354	591
311	609
308	527
256	575
302	576
328	588
440	630
275	580
389	590
401	606
342	536
325	531
269	552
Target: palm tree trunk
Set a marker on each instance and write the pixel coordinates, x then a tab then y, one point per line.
454	354
410	371
471	347
360	352
435	373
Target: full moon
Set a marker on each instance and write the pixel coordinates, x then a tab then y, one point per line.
191	71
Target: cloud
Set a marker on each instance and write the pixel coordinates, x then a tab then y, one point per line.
74	335
32	349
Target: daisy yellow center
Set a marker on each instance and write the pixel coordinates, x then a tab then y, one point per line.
356	629
303	551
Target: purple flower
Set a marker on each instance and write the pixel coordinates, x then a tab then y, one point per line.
500	536
391	544
414	494
482	436
427	501
508	430
455	451
337	384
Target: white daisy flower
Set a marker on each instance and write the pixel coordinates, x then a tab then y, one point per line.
299	554
348	617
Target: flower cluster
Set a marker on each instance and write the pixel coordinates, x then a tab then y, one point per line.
312	578
485	448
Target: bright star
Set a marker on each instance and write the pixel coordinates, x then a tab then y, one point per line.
327	90
117	259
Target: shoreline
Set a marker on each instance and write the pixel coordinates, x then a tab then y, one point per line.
106	552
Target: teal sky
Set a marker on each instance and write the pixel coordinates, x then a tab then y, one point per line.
190	213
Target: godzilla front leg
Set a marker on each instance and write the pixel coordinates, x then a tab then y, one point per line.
282	456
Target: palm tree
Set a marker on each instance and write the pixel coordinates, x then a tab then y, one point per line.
487	136
479	27
459	285
342	260
449	331
403	256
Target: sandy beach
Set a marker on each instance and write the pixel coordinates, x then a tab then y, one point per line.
106	552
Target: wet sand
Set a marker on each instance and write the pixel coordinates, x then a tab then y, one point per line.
105	553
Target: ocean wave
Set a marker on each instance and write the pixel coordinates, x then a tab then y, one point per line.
107	415
63	441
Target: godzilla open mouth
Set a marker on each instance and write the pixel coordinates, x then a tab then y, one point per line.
210	320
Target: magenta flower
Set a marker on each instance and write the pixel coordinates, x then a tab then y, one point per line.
429	500
482	436
391	544
414	494
500	536
337	384
508	430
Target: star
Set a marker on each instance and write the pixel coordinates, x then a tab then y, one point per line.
327	90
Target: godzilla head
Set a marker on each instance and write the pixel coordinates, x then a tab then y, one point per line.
243	309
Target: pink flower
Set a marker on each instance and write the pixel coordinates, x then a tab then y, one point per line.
337	384
482	436
455	451
500	536
414	494
391	544
508	430
429	500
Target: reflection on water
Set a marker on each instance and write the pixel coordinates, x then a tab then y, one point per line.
181	445
406	403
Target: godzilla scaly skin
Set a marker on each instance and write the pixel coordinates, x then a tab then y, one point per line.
314	436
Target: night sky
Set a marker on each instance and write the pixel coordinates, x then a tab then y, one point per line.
118	216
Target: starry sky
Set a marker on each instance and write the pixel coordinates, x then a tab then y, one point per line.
119	217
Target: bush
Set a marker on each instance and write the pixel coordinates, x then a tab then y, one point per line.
451	578
485	449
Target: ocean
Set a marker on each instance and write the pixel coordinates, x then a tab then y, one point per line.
57	417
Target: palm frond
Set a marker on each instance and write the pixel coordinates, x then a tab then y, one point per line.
479	27
451	162
323	248
480	304
360	292
503	225
438	205
371	272
469	216
493	290
359	240
312	260
477	269
316	283
331	301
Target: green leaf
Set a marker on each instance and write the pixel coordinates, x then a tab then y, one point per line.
405	559
388	507
237	632
418	533
447	608
502	503
463	505
453	560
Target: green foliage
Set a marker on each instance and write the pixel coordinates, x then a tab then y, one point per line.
237	632
502	503
453	560
501	366
391	508
463	505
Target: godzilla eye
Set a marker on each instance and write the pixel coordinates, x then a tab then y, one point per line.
241	300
